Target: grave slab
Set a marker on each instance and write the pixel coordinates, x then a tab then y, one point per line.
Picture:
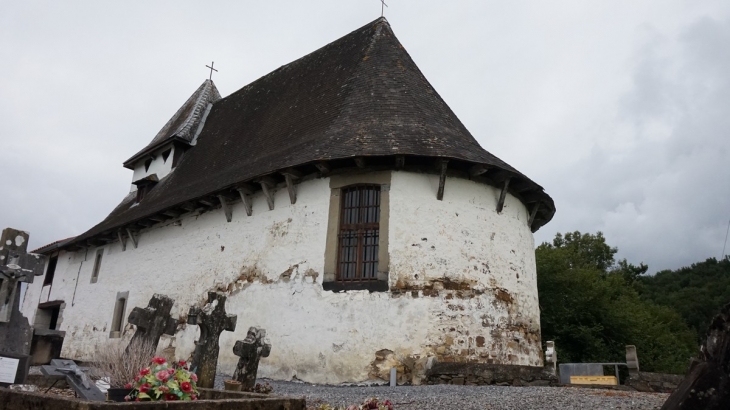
76	377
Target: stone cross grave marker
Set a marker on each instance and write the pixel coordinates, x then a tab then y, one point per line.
250	350
213	320
76	377
16	265
16	334
153	321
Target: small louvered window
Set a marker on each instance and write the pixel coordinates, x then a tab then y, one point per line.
357	257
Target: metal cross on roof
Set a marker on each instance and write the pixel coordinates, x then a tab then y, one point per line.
382	8
211	69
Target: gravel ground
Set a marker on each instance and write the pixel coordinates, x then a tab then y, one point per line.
470	397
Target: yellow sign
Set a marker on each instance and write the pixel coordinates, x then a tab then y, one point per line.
604	380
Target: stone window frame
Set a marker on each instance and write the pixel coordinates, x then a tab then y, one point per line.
97	265
50	269
337	182
120	308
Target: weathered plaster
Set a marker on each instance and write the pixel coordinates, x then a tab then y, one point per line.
462	283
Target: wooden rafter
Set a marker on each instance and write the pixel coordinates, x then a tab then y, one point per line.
172	213
226	208
122	240
290	175
477	170
267	185
247	205
135	239
323	167
187	206
400	161
503	195
533	214
206	202
443	164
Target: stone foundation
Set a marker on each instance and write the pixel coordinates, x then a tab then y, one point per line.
210	400
654	382
477	374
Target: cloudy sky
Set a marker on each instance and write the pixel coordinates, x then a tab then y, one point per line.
620	109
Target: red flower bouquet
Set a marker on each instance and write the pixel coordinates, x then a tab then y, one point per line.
164	381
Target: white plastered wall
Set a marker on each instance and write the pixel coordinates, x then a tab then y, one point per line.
462	280
159	166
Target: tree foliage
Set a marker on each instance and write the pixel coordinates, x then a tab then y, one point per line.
697	292
591	307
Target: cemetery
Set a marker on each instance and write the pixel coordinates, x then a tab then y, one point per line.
105	385
332	237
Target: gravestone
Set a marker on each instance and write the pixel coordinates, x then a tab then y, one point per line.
707	384
213	320
632	361
551	358
16	334
152	322
76	377
250	350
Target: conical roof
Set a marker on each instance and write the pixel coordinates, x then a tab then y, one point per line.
359	96
183	125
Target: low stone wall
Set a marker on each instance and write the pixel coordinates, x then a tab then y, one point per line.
483	374
210	400
654	382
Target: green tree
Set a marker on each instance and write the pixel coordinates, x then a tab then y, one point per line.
591	308
698	292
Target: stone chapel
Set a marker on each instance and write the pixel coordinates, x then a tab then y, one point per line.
339	204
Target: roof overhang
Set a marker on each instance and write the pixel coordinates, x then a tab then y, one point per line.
129	164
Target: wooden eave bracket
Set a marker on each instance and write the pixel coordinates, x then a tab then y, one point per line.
503	195
244	190
400	161
477	170
323	167
172	213
132	235
533	213
290	176
94	242
122	240
267	185
226	208
206	202
158	218
443	164
187	206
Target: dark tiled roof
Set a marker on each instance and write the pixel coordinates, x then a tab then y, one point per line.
183	125
52	246
359	96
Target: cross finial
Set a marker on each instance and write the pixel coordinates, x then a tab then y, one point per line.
211	69
382	8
